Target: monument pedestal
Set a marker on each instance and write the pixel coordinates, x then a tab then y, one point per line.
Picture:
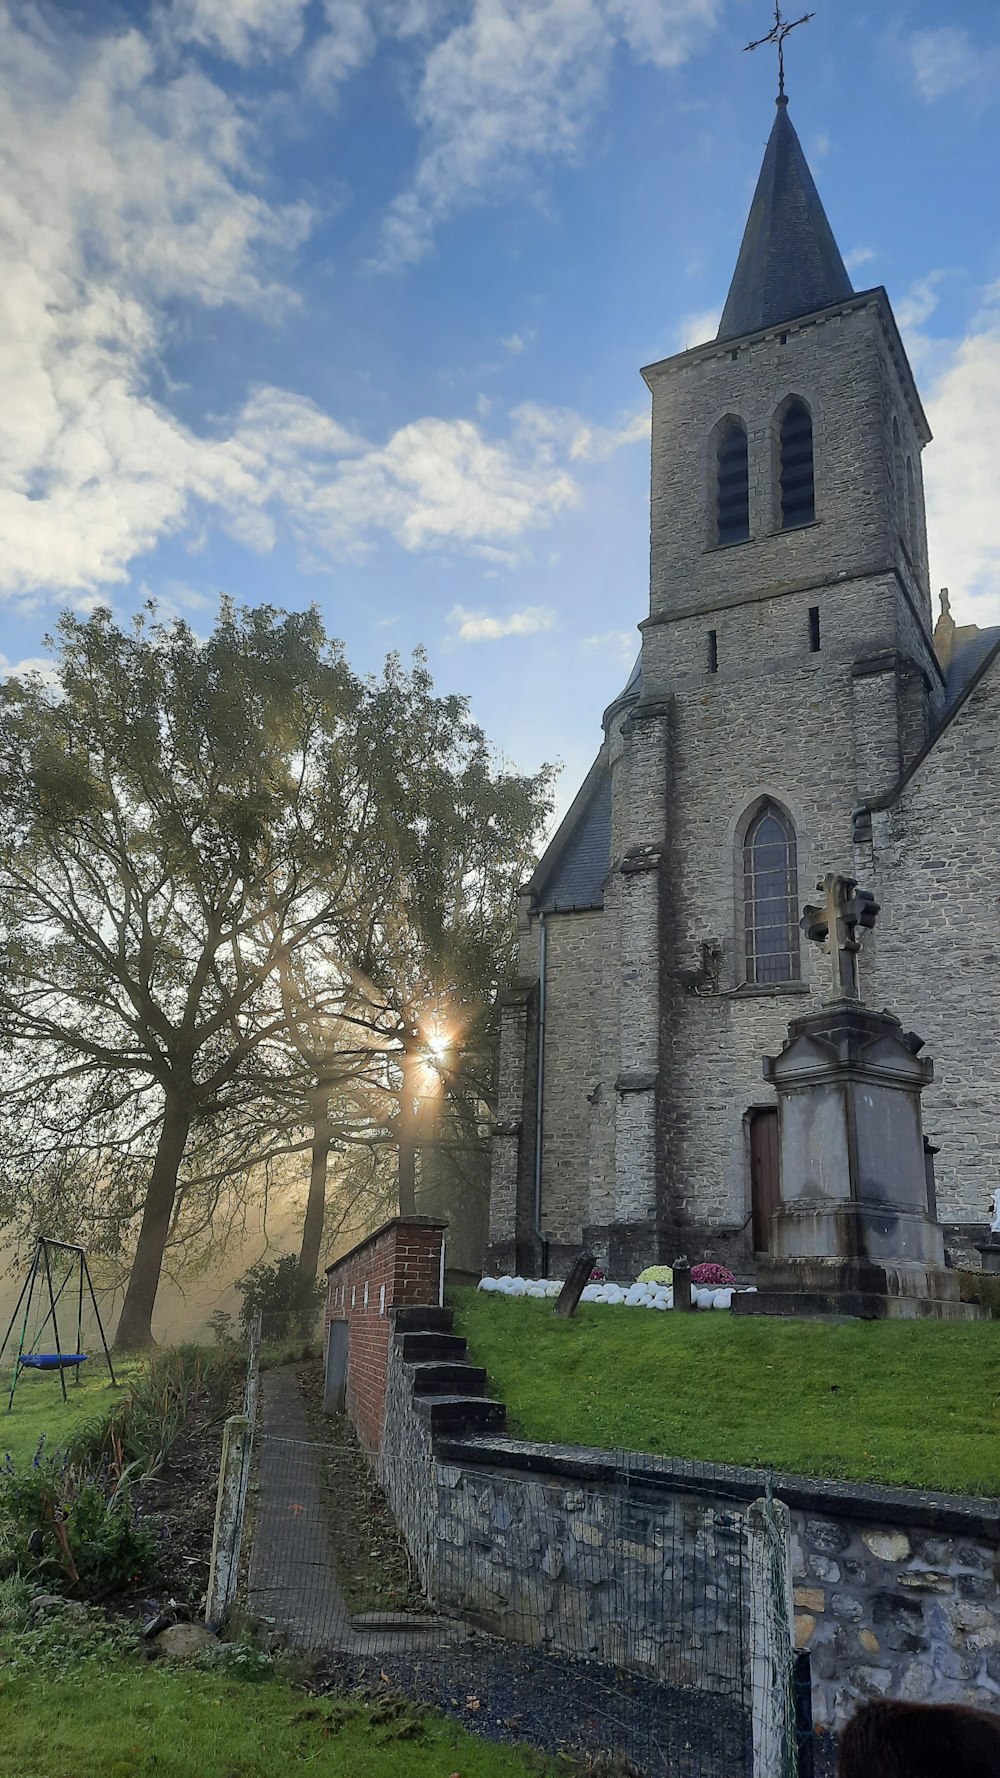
853	1234
989	1253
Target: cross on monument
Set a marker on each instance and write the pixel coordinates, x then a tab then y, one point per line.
836	924
777	36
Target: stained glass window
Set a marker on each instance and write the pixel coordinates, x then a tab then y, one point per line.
770	897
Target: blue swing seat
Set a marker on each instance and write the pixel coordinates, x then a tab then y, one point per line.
52	1361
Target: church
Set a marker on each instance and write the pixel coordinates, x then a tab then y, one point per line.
795	710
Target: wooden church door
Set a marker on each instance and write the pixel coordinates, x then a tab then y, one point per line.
765	1187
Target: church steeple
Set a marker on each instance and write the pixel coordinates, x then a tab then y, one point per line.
789	262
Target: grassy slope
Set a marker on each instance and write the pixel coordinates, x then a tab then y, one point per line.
39	1407
129	1722
916	1403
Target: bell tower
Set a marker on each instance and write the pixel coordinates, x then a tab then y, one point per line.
788	674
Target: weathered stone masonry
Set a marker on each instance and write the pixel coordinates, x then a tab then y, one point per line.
897	1593
798	667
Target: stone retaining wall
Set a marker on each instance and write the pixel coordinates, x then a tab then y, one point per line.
641	1563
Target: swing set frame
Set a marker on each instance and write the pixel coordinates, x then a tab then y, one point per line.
41	1269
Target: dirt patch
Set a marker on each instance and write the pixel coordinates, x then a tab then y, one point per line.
374	1566
179	1505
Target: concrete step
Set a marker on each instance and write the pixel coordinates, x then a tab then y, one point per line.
453	1415
448	1379
426	1320
428	1348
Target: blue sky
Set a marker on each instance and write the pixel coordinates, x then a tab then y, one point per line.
344	301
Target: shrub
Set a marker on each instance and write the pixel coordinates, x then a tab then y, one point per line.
657	1275
711	1277
276	1290
71	1528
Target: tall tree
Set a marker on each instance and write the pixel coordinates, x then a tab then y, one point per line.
408	1061
179	820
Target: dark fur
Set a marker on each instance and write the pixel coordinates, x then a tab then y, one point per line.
890	1740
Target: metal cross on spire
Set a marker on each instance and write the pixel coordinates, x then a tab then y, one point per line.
777	37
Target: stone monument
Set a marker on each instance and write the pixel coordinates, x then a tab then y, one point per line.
853	1234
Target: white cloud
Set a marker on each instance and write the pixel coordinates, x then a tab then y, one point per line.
36	665
698	328
946	60
434	483
665	32
559	432
858	257
345	45
121	192
515	80
130	193
479	626
963	407
621	645
515	344
917	305
240	30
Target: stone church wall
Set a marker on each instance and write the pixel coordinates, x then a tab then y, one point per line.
934	957
574	998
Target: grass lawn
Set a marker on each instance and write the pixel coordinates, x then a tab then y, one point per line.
915	1403
39	1407
147	1722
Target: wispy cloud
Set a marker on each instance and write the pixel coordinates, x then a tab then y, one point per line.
946	60
517	81
145	174
859	256
620	645
480	626
697	328
242	31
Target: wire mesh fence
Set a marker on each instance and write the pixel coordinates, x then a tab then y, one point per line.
624	1631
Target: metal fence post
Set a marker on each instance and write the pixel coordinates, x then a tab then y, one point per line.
772	1702
229	1505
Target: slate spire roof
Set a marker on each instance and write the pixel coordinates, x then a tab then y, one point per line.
789	262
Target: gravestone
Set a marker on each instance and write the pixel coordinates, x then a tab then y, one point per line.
574	1287
853	1234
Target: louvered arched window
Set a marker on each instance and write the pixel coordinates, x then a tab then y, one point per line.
732	509
771	897
798	491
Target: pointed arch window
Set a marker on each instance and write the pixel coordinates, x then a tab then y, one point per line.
732	508
771	897
798	487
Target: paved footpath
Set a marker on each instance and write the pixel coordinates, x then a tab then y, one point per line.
292	1580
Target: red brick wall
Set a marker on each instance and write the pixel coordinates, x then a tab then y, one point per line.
398	1265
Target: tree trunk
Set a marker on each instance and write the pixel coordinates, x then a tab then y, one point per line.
135	1326
407	1135
312	1227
